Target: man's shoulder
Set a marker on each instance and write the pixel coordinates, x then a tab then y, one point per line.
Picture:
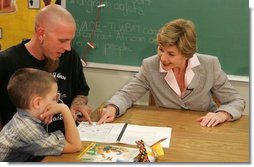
11	52
70	57
70	54
12	48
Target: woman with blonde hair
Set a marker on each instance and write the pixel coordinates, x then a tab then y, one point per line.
178	77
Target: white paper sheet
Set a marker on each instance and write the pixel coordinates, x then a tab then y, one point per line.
109	132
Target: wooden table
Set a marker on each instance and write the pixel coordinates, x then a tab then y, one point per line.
190	142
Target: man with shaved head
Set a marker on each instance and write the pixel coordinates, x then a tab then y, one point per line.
49	49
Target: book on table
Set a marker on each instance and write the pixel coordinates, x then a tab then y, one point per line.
101	152
124	133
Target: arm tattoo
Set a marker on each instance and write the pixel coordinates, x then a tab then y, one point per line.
80	100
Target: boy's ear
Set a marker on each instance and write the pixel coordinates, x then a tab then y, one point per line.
36	102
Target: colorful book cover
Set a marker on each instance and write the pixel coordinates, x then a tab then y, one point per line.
98	152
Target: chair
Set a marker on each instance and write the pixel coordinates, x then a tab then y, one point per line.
151	100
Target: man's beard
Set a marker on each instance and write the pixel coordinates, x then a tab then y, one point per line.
51	65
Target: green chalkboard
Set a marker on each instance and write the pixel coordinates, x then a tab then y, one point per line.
125	29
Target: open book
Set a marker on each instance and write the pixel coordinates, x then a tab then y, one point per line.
99	152
124	133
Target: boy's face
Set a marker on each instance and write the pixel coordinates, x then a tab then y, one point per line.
50	98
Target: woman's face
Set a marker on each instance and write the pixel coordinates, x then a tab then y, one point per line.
170	57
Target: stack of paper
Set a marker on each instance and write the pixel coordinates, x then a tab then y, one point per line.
126	133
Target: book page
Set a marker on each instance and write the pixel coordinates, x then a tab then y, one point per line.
109	132
149	134
105	133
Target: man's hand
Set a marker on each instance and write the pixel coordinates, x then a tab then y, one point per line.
212	119
81	113
79	105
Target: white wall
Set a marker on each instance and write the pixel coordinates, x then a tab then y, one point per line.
103	83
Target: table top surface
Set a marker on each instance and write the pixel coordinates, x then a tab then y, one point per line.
190	142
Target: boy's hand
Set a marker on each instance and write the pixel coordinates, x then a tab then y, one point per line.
51	110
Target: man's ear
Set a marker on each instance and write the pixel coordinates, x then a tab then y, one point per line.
40	32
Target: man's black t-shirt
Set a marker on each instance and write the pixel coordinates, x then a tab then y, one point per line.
69	74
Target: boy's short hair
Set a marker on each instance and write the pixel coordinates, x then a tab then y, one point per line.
25	83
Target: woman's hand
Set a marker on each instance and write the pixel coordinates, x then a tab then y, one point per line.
106	114
212	119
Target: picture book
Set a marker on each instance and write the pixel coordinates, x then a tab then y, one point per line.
101	152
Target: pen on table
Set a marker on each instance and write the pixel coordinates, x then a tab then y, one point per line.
121	133
159	141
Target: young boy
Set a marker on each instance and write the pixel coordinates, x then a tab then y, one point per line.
34	93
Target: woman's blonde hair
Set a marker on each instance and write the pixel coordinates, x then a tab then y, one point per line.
179	32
